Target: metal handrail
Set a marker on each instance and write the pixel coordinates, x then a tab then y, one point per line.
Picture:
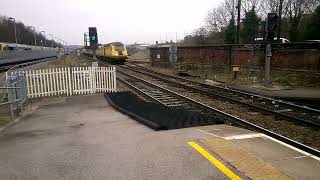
10	102
10	87
14	93
3	79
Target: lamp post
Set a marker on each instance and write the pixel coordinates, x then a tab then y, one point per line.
238	22
66	45
15	29
279	21
34	34
62	43
45	40
85	36
52	39
60	40
57	41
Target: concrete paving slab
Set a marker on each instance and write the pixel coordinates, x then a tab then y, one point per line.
223	130
295	164
299	168
298	165
267	149
244	161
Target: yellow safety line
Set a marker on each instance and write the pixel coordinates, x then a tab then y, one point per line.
214	161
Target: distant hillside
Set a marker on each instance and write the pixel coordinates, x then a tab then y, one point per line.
74	47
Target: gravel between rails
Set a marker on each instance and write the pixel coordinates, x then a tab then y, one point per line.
303	134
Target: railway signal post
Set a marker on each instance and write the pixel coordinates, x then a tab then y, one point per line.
93	38
271	27
173	54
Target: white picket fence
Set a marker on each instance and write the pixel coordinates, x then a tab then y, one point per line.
69	81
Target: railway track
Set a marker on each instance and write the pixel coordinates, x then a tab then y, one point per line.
274	107
304	138
146	88
153	93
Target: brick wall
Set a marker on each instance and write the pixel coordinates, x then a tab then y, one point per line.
227	55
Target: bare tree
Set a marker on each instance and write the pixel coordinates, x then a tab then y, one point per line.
218	18
247	5
270	6
293	7
294	10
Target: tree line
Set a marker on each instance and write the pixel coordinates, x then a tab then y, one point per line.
25	34
300	21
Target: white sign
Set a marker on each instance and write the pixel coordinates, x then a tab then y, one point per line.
95	64
158	56
86	75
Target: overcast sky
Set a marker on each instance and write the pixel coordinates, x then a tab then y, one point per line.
127	21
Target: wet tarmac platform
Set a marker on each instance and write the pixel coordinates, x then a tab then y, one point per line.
83	137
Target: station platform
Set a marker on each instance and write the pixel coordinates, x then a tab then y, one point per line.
83	137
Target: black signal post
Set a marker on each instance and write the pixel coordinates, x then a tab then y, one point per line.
93	38
272	24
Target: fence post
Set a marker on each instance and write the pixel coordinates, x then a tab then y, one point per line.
114	79
69	82
10	100
28	83
20	93
91	79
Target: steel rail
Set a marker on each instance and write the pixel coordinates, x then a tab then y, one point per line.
259	108
228	89
139	90
231	118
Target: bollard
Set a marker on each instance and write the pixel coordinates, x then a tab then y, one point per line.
235	70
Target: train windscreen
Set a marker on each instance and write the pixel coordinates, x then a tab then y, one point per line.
118	47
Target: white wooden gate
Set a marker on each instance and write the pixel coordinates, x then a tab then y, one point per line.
82	78
69	81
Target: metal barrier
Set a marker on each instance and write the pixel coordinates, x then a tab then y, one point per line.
14	93
7	57
16	68
13	85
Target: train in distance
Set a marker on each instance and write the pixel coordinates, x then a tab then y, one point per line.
115	52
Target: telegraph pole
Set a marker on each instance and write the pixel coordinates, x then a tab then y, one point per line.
279	22
238	22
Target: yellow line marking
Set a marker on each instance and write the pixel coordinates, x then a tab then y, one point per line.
214	161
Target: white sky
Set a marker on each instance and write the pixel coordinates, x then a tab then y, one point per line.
128	21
